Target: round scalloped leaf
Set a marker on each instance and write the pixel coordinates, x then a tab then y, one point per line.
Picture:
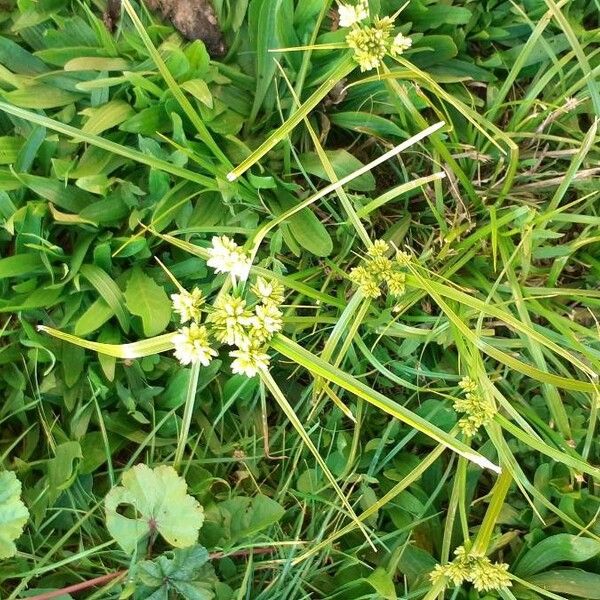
152	500
13	513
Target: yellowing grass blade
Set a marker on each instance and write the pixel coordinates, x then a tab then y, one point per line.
155	345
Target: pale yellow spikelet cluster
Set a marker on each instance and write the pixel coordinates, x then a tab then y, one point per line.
268	292
188	304
371	42
475	568
350	15
232	319
478	411
378	271
192	345
225	256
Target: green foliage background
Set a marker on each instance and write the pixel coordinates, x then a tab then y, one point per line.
513	229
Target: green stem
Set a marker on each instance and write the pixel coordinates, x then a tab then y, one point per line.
188	411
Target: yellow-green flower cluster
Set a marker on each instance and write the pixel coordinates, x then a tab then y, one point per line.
250	331
475	568
477	410
188	304
192	345
230	321
370	43
227	257
377	271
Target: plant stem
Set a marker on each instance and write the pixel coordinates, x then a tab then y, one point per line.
187	413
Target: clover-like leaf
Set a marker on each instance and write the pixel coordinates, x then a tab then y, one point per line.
184	573
13	513
151	501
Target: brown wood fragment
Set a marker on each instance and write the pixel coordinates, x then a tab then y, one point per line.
111	14
195	20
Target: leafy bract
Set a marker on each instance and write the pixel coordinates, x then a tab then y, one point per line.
159	503
13	513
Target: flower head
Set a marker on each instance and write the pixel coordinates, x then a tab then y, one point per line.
396	283
266	321
227	257
403	258
350	15
188	304
381	267
478	411
192	345
400	44
268	292
378	248
370	44
467	384
475	568
366	281
230	320
249	361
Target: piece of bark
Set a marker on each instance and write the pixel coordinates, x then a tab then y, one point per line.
111	14
195	20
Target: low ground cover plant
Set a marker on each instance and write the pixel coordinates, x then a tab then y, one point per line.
308	309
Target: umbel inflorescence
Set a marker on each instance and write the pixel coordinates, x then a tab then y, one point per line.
370	41
377	272
475	568
244	321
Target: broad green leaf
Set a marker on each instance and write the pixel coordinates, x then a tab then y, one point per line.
93	318
62	469
263	21
161	504
563	547
105	117
343	164
248	516
573	582
40	96
146	299
9	149
187	574
96	63
20	264
199	89
383	584
13	513
64	196
306	229
365	122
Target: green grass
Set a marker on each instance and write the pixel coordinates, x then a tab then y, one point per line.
343	472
